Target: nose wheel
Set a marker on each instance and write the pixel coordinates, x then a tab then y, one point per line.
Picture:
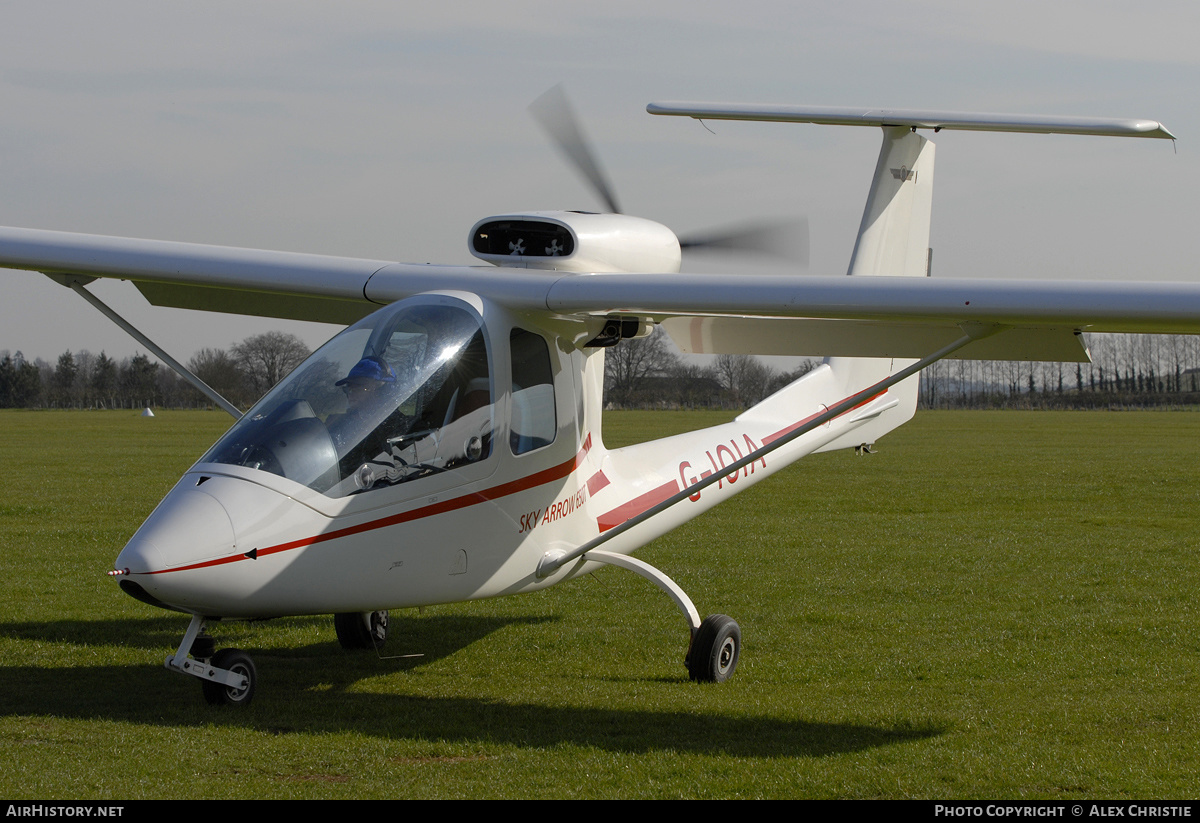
227	677
239	664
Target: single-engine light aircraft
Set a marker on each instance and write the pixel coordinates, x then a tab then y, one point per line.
447	445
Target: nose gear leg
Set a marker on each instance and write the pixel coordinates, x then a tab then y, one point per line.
233	685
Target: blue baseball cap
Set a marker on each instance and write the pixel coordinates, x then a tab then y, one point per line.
373	367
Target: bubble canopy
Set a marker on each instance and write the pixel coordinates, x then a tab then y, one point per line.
402	394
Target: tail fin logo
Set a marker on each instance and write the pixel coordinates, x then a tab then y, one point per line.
904	174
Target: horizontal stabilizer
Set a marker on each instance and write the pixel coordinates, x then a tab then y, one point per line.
916	119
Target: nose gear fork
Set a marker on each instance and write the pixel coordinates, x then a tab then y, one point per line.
227	677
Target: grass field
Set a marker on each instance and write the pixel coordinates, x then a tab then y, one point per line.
997	605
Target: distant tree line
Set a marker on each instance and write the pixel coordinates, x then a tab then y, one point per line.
82	380
1127	371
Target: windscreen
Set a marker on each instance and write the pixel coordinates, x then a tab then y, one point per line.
403	394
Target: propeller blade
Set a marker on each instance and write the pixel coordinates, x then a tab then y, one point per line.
785	239
554	113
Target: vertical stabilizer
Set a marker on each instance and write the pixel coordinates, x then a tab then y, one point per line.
894	236
893	240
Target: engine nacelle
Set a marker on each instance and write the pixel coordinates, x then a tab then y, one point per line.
575	241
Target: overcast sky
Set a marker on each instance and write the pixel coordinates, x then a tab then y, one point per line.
385	130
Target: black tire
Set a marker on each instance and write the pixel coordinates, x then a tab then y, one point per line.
237	661
352	631
715	650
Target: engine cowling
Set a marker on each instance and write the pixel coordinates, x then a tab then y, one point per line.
576	242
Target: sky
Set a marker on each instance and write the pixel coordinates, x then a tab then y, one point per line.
387	129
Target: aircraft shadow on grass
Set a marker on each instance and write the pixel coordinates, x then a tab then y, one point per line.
321	699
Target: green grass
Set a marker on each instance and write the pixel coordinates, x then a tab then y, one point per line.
997	605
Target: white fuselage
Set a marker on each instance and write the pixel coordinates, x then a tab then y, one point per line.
237	542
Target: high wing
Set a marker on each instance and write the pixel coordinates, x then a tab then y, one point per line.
737	313
207	278
886	316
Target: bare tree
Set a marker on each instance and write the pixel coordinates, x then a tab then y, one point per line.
266	358
744	376
219	369
628	364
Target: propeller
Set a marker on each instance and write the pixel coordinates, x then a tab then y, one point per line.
787	239
553	111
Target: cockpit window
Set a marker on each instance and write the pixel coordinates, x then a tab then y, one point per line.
403	394
534	422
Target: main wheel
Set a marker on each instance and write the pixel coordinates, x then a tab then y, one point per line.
715	649
238	662
361	631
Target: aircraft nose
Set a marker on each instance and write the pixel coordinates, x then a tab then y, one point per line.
189	526
139	556
189	554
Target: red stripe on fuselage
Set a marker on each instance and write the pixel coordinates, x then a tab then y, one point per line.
615	517
771	438
531	481
639	504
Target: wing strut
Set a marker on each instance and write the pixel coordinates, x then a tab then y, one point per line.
76	284
552	561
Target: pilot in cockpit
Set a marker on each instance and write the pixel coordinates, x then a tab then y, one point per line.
435	418
367	402
364	381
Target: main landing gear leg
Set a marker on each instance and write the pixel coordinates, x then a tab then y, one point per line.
715	643
227	677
